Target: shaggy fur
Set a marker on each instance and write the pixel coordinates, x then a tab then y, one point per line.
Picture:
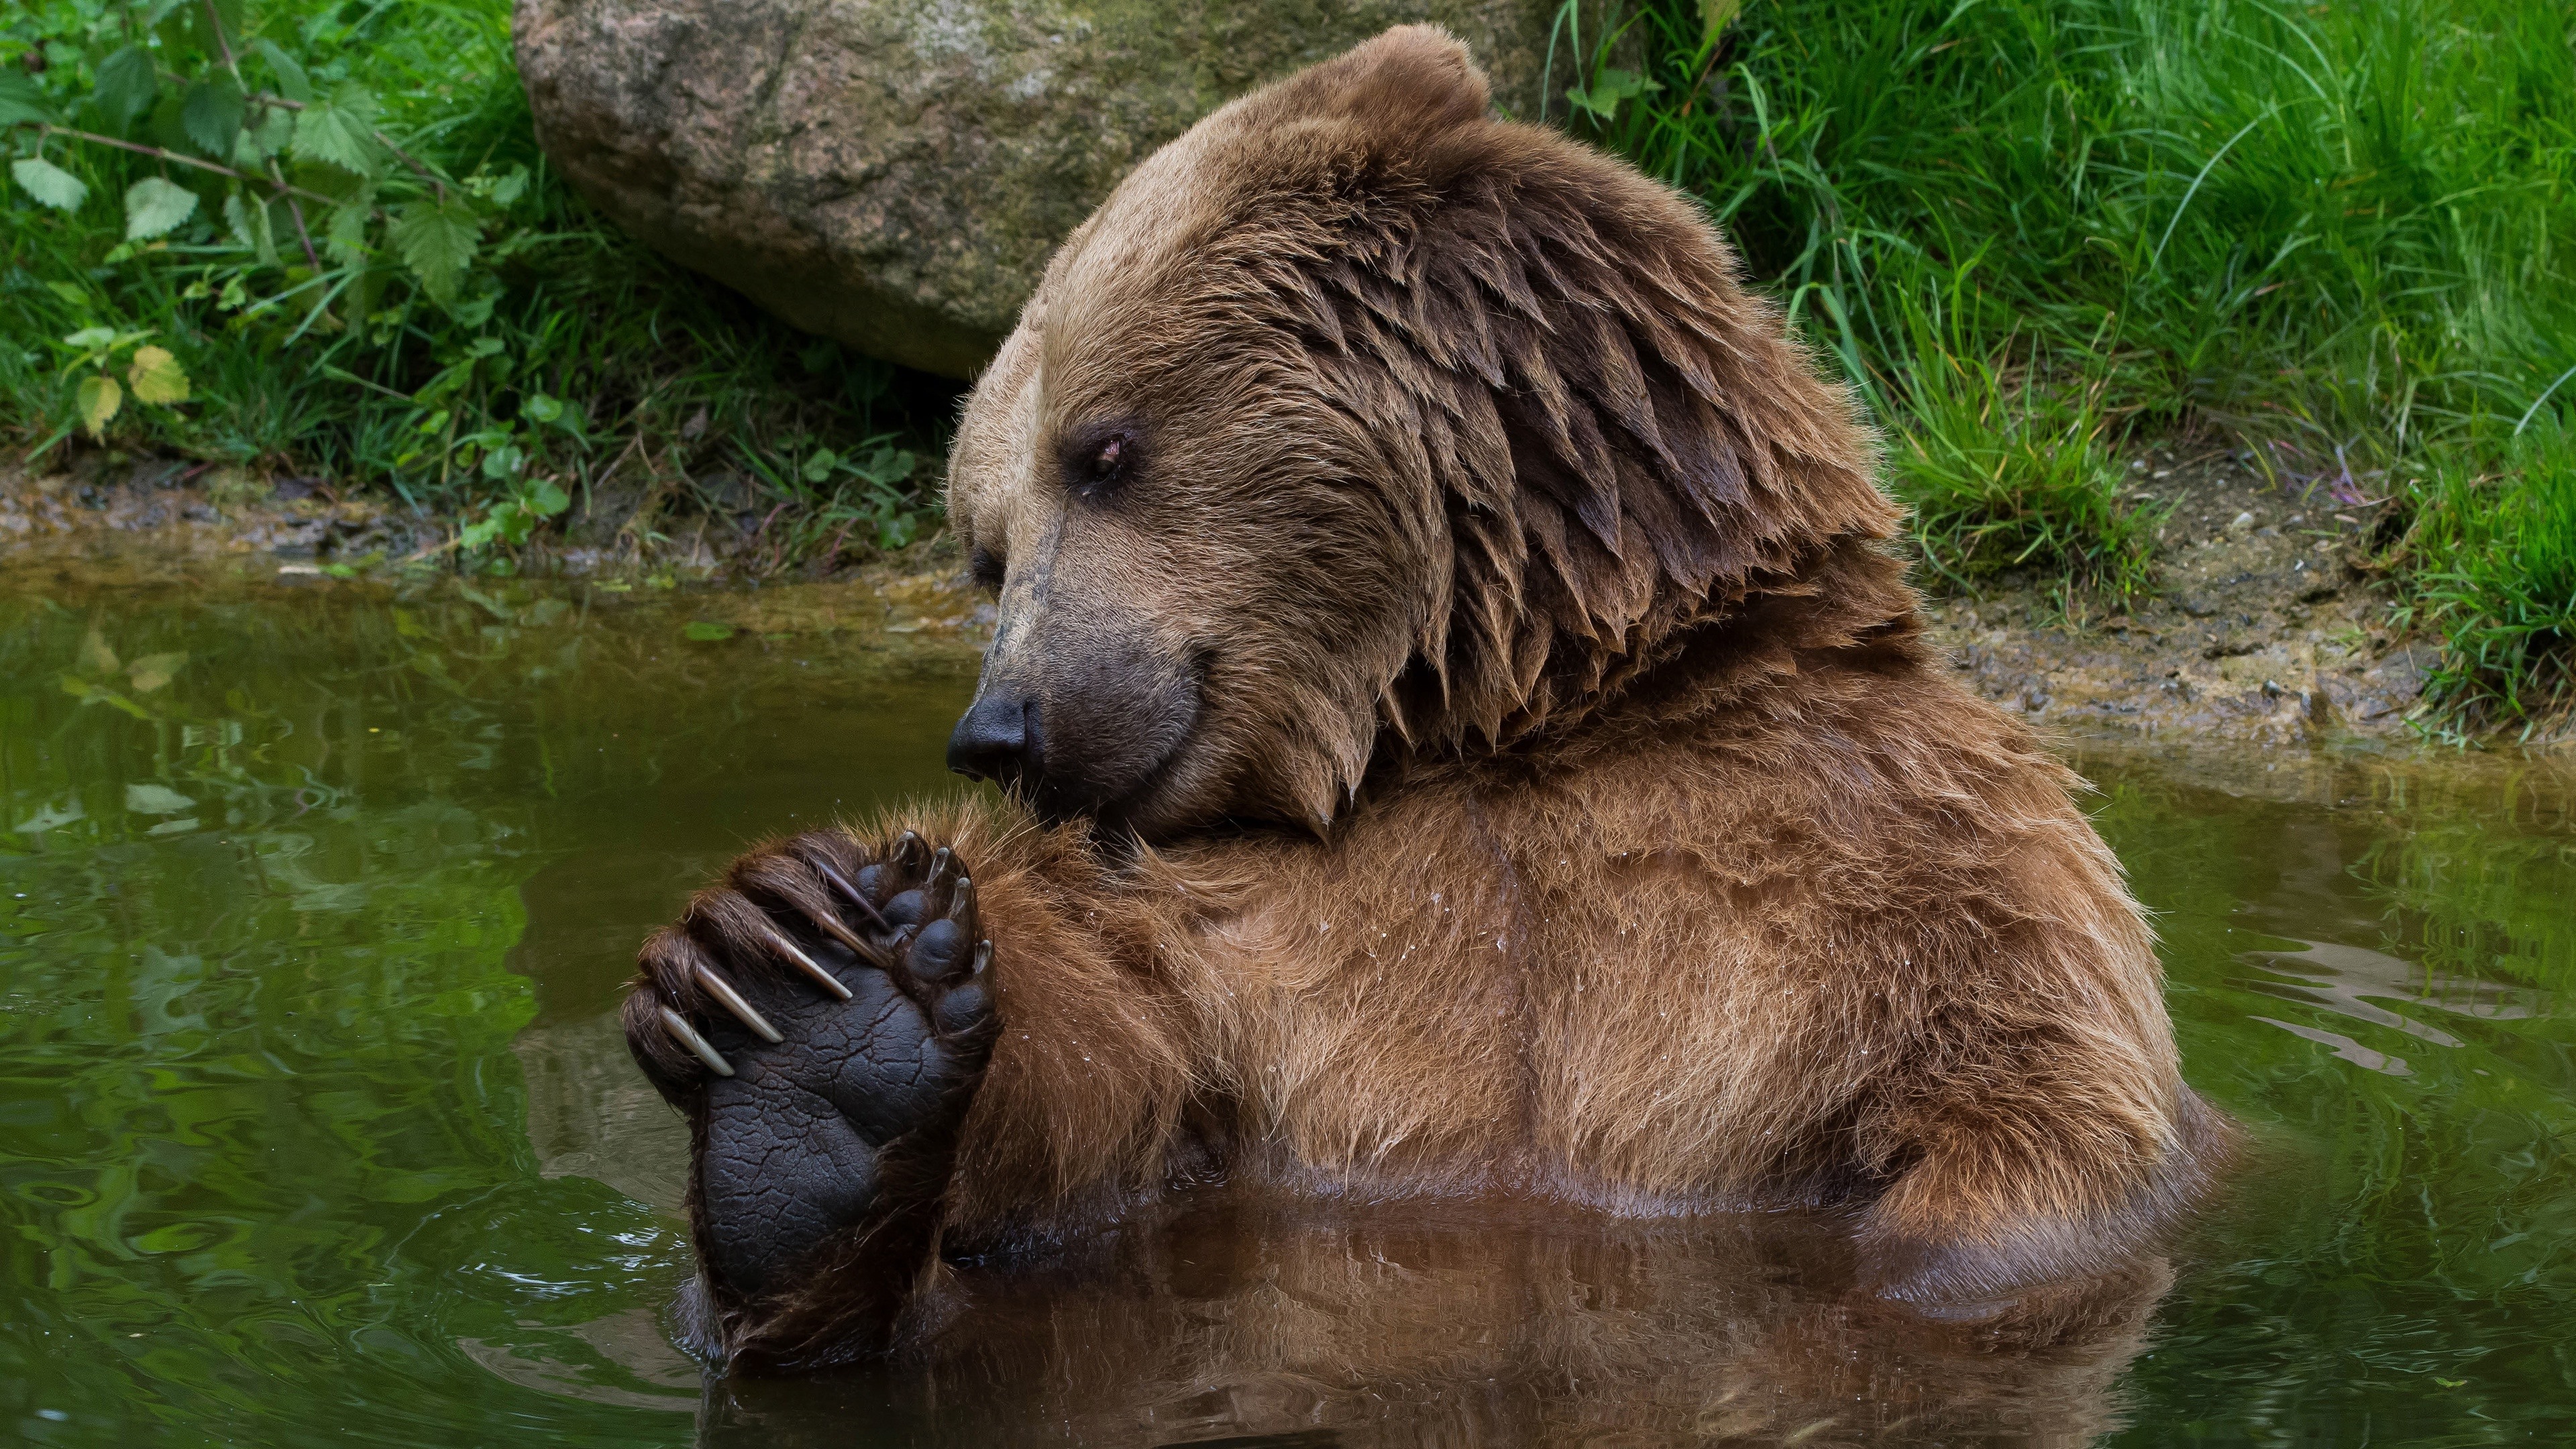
1526	776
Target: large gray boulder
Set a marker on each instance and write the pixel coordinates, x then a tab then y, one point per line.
893	173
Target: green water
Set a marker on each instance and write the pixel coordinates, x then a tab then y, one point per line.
314	1127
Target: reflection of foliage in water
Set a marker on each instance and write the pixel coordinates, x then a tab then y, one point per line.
2473	898
2398	1256
264	1142
258	1102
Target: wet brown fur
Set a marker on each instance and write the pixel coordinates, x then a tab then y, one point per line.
1573	811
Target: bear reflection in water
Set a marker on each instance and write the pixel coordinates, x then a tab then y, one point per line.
1418	1325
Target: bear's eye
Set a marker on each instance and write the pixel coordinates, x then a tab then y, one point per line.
1104	463
986	568
1095	464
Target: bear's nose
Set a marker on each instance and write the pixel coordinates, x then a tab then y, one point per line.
994	741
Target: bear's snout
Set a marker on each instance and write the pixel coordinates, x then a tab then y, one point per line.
1090	735
993	741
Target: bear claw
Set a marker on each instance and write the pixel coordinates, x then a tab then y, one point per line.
687	1036
788	949
848	891
732	1000
833	1015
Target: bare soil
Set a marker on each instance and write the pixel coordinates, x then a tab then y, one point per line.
2263	624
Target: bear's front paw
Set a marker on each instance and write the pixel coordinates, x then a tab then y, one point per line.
823	1018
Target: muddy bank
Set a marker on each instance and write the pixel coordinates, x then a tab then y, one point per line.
120	521
169	524
2265	626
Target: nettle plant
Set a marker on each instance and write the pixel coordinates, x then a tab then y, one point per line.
870	485
153	375
283	198
305	181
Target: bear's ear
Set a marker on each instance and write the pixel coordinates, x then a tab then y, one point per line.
1410	83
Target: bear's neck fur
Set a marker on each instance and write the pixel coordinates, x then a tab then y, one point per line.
1765	649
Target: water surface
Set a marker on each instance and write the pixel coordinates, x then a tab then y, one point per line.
314	1125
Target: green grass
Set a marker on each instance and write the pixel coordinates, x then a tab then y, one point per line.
564	353
2492	563
2029	230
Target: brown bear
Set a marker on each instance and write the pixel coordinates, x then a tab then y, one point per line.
1466	736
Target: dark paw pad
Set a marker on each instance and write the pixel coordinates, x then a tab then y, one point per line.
825	1019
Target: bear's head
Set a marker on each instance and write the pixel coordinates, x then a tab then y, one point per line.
1358	423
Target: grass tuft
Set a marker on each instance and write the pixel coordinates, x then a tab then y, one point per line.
2494	575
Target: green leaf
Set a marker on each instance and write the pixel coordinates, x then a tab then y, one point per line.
341	133
49	183
212	115
1609	87
346	237
510	187
292	83
504	461
437	240
820	466
165	129
215	38
127	86
270	135
98	399
887	467
1714	14
154	207
90	338
150	799
703	632
21	100
251	226
545	499
49	817
157	377
539	408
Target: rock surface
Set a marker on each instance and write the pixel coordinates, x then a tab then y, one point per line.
894	173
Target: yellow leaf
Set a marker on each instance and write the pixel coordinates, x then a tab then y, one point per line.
98	398
153	671
96	659
157	376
